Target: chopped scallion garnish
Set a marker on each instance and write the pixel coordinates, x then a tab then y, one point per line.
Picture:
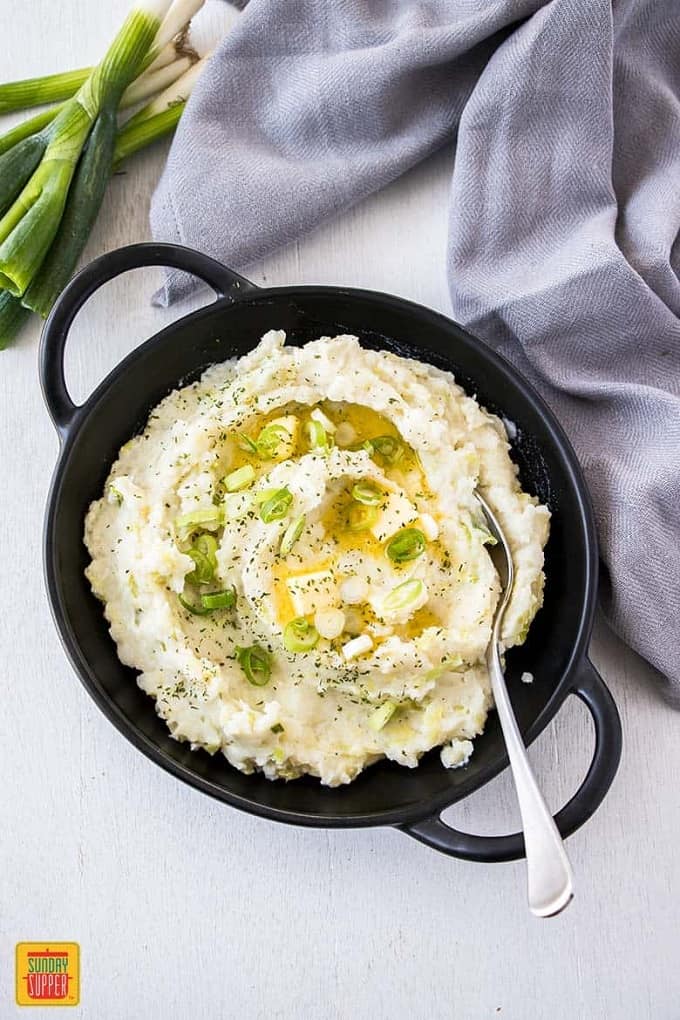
388	449
270	439
256	663
241	478
449	663
291	534
276	506
382	715
367	493
316	434
210	602
211	519
407	545
203	569
299	635
404	596
191	607
219	599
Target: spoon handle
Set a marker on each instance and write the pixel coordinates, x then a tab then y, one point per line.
549	877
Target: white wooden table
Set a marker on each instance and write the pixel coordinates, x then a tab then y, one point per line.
186	908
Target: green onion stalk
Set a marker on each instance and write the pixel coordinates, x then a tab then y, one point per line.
104	152
169	44
142	88
43	170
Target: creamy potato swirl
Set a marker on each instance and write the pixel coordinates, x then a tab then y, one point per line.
292	557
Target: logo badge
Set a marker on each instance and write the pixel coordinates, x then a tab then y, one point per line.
47	974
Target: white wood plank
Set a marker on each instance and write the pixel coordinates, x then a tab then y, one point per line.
186	908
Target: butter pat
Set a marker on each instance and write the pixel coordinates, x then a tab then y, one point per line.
309	592
394	513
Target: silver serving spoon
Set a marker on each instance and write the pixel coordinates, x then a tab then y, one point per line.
549	876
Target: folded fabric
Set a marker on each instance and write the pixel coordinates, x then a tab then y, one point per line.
564	213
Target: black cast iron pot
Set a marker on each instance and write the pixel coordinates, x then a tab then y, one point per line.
555	652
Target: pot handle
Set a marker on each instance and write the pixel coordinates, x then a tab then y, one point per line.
591	689
223	281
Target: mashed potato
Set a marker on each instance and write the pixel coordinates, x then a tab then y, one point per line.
292	557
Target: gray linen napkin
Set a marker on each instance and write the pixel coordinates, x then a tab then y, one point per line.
564	214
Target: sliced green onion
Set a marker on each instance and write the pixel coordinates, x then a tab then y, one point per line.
367	493
361	517
382	715
291	534
256	663
210	602
276	506
211	519
263	495
317	437
191	607
404	595
389	449
241	478
207	544
299	635
203	571
204	555
449	663
270	439
407	545
246	444
219	599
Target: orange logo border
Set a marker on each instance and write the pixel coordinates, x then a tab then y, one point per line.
47	949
